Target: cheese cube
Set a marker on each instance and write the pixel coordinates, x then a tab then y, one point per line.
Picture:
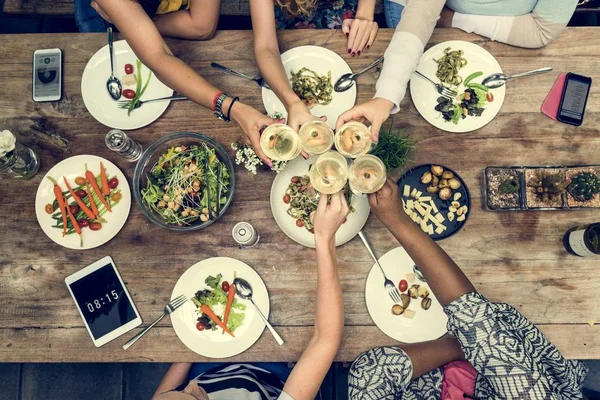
406	190
440	229
457	196
420	209
440	217
414	192
434	207
424	198
410	204
418	194
409	314
410	278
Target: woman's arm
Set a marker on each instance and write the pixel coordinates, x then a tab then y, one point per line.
268	59
444	277
309	372
197	23
534	30
362	30
175	376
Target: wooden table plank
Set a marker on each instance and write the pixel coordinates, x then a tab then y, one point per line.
515	257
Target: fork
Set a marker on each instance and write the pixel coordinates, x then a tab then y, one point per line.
169	308
389	285
124	103
441	89
260	81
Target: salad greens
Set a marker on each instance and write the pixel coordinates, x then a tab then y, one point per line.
215	296
470	103
187	184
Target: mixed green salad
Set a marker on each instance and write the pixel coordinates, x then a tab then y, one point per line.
215	297
187	184
471	102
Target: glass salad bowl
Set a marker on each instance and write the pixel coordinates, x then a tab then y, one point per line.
178	179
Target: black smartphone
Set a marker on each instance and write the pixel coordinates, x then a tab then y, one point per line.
574	99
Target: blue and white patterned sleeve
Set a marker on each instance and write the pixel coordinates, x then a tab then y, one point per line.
512	357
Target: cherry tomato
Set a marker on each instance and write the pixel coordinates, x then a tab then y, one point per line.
49	208
489	96
296	179
299	223
74	208
200	326
80	180
95	226
80	193
225	286
287	198
113	183
128	93
403	285
83	223
128	69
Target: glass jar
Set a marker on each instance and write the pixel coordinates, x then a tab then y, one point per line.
20	163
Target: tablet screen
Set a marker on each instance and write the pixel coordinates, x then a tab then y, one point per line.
103	301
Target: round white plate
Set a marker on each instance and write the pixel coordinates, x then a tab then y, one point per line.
424	94
299	167
426	325
215	344
71	168
106	110
320	60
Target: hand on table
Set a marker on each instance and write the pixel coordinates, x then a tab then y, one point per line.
252	123
361	33
375	111
386	203
329	217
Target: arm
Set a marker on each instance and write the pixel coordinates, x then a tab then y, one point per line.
175	376
534	30
444	277
268	59
362	30
308	374
199	22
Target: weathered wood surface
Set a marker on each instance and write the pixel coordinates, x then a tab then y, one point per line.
515	257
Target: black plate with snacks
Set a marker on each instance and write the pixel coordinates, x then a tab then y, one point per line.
542	188
436	198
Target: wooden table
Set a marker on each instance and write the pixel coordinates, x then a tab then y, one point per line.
515	257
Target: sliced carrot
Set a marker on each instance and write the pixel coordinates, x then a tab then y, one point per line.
92	180
75	225
104	180
230	298
61	203
206	310
80	202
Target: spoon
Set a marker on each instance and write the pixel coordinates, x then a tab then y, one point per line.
113	85
418	273
496	80
244	290
346	81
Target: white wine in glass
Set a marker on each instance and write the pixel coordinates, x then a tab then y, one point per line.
353	139
280	142
367	174
329	173
316	137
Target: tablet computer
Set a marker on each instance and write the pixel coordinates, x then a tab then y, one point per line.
103	301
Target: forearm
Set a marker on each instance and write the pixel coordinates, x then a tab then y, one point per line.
271	68
197	23
175	376
427	356
443	276
365	9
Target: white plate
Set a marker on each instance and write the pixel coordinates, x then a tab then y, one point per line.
320	60
426	325
215	344
299	167
425	96
106	110
71	168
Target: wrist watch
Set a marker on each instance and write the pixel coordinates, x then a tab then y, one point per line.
219	107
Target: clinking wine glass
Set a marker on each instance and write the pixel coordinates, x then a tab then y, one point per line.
329	173
280	142
367	174
316	137
353	139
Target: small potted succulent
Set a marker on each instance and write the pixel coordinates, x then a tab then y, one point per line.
583	188
503	188
545	188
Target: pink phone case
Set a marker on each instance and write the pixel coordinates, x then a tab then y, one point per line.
552	102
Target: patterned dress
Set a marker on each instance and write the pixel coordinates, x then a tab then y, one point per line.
328	15
512	358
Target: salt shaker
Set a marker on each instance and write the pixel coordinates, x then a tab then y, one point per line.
126	147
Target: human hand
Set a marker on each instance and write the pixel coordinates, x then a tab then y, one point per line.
446	17
298	115
252	123
376	111
386	203
329	217
361	34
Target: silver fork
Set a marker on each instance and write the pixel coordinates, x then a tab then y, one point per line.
260	81
124	103
441	89
389	285
169	308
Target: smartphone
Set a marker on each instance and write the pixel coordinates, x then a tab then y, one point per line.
574	99
47	75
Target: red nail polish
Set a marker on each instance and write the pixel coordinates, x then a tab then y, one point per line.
347	35
349	51
368	46
358	53
353	54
